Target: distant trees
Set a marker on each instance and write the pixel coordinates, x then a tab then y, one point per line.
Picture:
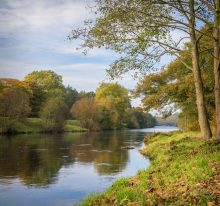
136	118
43	84
50	82
37	98
70	96
14	103
42	94
54	113
110	109
88	111
115	99
83	94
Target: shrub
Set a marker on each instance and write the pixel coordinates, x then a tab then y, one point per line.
53	113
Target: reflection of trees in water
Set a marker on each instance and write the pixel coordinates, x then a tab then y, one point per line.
36	159
103	149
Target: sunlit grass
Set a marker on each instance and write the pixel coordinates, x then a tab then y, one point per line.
36	125
184	170
73	126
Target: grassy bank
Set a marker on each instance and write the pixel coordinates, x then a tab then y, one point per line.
184	170
36	125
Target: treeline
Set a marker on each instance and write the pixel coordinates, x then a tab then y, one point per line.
110	109
42	95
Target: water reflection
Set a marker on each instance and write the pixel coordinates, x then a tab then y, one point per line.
37	159
61	170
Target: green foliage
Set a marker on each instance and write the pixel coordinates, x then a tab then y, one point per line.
38	97
129	27
73	126
172	88
137	118
108	119
184	170
43	84
110	109
188	121
53	114
83	94
115	99
41	91
70	96
48	81
37	125
14	104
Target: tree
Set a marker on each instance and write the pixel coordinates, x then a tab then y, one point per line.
38	97
137	118
88	111
173	86
114	98
70	96
83	94
215	8
14	103
47	80
141	30
43	84
54	113
109	116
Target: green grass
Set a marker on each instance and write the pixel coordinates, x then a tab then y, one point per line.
73	126
36	125
184	170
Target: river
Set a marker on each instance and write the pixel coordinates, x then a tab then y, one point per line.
60	170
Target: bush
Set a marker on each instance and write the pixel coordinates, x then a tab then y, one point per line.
53	114
14	107
88	112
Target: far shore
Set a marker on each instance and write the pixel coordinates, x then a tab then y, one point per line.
36	125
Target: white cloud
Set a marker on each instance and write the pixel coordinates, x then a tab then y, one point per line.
45	25
41	15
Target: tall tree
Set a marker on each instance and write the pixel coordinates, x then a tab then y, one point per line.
216	44
174	86
43	84
70	96
14	103
47	80
200	99
114	98
38	97
142	30
53	113
88	111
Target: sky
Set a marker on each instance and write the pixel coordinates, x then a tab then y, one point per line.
33	36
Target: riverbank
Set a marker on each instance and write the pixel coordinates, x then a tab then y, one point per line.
185	170
36	125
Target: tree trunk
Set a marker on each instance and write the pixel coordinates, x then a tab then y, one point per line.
200	100
216	35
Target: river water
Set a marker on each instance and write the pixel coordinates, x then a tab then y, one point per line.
60	170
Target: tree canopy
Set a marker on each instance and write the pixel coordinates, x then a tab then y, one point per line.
48	81
143	31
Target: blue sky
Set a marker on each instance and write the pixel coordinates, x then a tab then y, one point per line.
33	36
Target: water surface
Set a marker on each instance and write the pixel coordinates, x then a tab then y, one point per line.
59	170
